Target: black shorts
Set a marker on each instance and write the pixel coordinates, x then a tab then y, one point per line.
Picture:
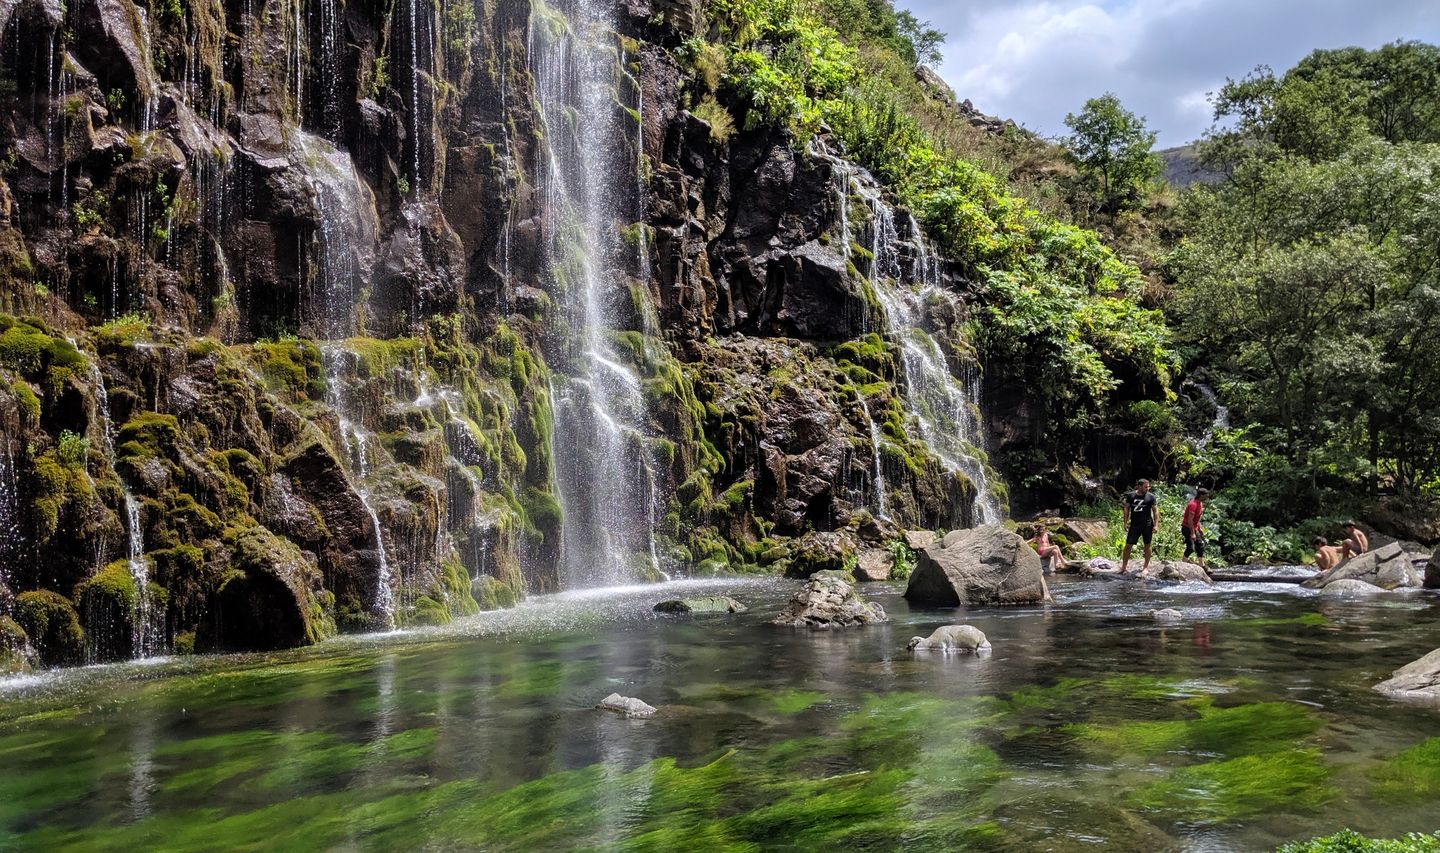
1194	542
1135	534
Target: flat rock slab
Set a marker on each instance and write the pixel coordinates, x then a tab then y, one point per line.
918	539
1416	680
1350	588
701	604
829	600
626	706
1176	571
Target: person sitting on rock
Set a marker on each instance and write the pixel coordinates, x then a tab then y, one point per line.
1327	556
1046	549
1356	542
1191	530
1142	515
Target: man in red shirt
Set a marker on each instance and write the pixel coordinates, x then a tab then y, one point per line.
1190	528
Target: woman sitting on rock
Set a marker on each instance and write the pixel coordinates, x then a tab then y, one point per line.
1046	549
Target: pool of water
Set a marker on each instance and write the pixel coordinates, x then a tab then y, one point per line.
1090	727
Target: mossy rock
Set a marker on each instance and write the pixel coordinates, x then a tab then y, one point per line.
491	593
269	598
53	626
16	654
108	601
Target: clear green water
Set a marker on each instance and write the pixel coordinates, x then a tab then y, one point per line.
1089	728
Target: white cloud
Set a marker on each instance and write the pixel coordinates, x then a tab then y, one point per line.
1036	60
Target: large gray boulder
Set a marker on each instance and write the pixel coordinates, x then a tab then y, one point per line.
1350	588
1432	571
1388	567
829	600
1416	680
986	565
961	639
874	564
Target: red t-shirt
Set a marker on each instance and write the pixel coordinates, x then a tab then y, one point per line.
1192	514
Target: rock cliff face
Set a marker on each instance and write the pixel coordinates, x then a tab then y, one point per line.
321	315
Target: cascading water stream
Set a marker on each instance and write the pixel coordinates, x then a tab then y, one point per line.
345	244
605	481
877	471
945	409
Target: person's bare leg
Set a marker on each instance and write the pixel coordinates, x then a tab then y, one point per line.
1146	567
1125	559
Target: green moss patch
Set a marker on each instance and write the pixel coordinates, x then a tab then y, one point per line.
1292	780
1412	775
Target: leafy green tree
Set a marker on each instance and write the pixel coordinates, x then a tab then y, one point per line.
1111	150
924	40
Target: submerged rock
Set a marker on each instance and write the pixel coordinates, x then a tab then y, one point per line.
965	639
985	565
1415	680
1388	567
874	565
1168	614
829	600
1349	587
701	604
626	706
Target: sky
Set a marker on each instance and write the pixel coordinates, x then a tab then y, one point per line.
1036	60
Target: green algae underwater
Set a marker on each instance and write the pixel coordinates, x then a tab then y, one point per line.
1247	725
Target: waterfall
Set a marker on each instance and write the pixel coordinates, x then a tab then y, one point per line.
1222	413
145	634
944	408
11	534
877	472
605	473
345	243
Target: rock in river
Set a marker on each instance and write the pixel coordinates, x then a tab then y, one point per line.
701	604
1169	614
626	706
829	600
1350	587
1416	680
1177	571
1432	571
1388	567
981	566
964	639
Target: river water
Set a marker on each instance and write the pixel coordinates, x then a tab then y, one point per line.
1089	727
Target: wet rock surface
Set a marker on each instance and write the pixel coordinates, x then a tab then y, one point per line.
627	706
1419	679
829	600
1176	571
701	604
1388	567
983	566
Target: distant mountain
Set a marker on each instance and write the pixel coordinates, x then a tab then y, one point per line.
1182	167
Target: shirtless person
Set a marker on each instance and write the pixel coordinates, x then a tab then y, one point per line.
1048	550
1356	542
1327	556
1142	516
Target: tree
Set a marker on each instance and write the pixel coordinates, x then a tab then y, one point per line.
1110	148
924	39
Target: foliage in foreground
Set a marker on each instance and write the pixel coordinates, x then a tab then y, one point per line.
1349	841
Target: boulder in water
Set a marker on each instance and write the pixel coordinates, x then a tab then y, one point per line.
829	600
1176	571
985	565
701	604
1349	588
626	706
963	639
1168	614
1388	567
1415	680
874	564
1432	571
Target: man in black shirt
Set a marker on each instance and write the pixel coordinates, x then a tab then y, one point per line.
1142	516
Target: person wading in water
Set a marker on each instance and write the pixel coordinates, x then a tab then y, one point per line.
1142	516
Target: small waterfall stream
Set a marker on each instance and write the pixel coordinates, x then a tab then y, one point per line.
944	407
604	465
345	243
877	471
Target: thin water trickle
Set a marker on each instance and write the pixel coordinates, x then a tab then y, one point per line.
877	471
